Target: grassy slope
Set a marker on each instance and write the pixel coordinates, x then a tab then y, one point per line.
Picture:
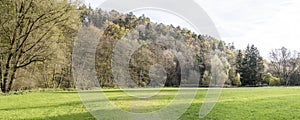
237	103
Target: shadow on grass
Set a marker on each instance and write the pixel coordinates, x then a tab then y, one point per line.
44	106
129	89
113	99
151	90
76	116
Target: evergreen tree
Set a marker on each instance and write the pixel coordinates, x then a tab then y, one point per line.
221	46
239	61
252	67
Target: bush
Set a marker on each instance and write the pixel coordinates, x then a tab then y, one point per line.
273	81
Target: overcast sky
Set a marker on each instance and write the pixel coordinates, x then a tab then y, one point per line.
267	24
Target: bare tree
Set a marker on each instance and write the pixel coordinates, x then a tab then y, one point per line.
285	63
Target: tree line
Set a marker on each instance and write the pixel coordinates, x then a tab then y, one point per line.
37	38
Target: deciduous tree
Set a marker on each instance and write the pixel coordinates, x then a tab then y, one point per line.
28	30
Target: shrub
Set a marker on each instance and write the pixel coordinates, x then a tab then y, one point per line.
273	81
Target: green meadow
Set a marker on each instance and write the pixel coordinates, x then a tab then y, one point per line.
234	103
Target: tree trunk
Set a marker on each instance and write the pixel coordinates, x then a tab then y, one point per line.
53	76
0	74
4	84
11	79
5	79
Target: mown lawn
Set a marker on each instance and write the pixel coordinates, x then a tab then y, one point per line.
234	103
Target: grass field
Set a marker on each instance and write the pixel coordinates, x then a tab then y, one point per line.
234	103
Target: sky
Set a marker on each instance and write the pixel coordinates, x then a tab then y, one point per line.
268	24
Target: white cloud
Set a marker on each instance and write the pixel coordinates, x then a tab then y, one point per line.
264	23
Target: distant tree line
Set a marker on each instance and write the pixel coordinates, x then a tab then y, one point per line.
241	67
37	38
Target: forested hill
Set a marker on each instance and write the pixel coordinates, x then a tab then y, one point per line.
37	44
117	26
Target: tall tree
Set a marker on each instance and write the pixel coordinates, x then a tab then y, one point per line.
252	67
221	46
218	70
239	61
28	30
284	63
